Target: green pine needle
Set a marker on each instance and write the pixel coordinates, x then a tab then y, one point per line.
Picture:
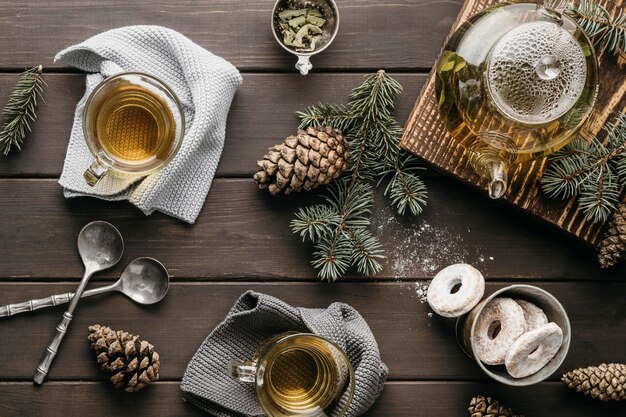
335	115
333	257
367	250
20	111
339	228
606	31
600	194
407	191
314	222
592	171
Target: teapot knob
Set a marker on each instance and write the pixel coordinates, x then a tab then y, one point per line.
555	6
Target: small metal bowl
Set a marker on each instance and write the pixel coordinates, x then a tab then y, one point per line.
330	12
553	309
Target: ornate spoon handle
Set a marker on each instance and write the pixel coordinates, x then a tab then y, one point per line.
32	305
61	330
53	300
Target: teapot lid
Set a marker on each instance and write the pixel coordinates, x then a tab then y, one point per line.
536	72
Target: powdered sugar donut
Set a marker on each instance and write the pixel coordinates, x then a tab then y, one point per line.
533	350
499	324
535	317
448	304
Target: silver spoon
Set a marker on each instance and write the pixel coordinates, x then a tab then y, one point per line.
145	281
100	246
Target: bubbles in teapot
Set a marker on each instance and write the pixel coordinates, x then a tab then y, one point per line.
536	73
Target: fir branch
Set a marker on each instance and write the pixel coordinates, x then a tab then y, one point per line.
367	250
600	194
20	111
590	170
339	231
608	32
339	228
335	115
405	189
352	202
332	257
314	222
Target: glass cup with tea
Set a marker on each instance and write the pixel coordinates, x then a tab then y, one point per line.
133	123
299	374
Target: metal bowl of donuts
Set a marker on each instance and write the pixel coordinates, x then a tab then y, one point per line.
519	335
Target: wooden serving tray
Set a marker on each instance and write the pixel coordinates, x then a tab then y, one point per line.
426	136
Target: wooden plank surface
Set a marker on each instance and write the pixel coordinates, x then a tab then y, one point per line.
242	238
414	345
242	232
262	115
401	399
426	136
372	34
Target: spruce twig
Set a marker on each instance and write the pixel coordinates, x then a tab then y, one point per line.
339	228
590	170
608	32
20	111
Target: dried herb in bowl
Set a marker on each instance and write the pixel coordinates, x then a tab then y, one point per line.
301	28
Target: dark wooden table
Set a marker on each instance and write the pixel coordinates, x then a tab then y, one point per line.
242	238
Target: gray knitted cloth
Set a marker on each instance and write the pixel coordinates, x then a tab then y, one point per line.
255	318
204	83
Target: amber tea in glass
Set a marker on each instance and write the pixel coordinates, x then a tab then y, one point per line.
299	374
133	123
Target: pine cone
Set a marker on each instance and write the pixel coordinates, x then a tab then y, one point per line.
132	361
604	382
307	160
487	407
613	244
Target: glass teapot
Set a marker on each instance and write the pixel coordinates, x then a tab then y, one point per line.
515	83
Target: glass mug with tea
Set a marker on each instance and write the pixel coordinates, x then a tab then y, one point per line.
133	123
299	374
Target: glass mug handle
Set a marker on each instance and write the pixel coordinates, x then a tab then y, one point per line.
244	371
96	170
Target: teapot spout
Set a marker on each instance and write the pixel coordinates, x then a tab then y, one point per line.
492	167
497	175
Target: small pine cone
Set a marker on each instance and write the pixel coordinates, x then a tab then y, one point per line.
303	161
613	245
604	382
481	406
133	362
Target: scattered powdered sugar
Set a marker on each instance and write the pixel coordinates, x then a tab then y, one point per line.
421	289
416	248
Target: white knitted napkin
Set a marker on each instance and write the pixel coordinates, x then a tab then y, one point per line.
205	85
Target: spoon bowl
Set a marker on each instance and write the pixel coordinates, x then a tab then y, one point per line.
145	281
100	245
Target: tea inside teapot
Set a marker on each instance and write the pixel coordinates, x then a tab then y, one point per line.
515	83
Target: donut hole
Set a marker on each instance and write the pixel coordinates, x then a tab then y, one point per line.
535	353
454	285
494	329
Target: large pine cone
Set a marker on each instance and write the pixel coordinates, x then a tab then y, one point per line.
307	160
613	244
604	382
132	361
481	406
